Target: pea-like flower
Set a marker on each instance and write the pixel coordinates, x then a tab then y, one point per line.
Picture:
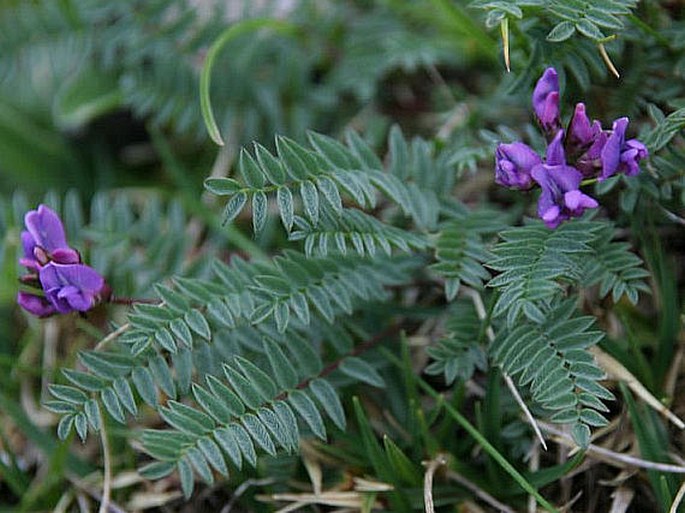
561	198
513	164
71	286
62	283
619	155
590	162
546	102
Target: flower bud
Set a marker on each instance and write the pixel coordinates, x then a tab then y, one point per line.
546	101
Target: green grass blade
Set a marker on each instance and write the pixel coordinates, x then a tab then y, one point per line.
232	32
482	441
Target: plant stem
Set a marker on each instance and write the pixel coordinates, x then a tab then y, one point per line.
431	467
375	340
678	499
610	457
133	301
488	447
362	348
480	493
100	345
107	480
484	317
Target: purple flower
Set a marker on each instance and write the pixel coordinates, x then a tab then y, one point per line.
587	152
581	133
513	164
546	101
44	240
561	198
36	305
611	153
66	283
633	152
619	155
71	286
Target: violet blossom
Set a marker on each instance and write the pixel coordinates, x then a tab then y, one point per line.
581	154
71	286
561	198
582	133
36	305
619	155
513	164
62	283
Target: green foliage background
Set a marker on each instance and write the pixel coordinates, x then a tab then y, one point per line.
323	286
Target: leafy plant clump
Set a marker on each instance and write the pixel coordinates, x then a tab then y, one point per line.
337	257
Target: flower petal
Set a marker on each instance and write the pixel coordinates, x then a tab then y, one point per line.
35	305
567	178
551	214
66	256
611	152
581	132
513	164
27	243
46	228
576	200
71	286
556	155
546	100
560	198
634	152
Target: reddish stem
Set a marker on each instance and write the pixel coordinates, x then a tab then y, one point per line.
362	348
133	301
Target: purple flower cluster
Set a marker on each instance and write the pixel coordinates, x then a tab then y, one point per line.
584	151
55	268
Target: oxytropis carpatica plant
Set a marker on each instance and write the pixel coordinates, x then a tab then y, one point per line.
249	357
581	154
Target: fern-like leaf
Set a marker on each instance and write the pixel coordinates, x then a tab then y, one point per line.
235	417
323	175
552	361
458	354
353	230
614	267
588	18
462	248
532	260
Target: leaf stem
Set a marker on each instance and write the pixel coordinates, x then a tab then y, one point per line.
484	317
375	340
100	345
133	301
